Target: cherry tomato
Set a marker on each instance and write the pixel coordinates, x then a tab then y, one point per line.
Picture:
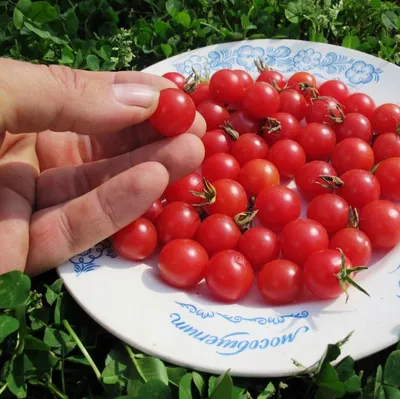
258	174
231	198
293	103
320	273
355	245
181	189
335	89
137	240
277	206
249	146
273	78
280	282
229	276
175	113
201	93
352	153
318	141
242	122
154	210
302	77
360	188
360	103
216	141
302	237
308	176
330	210
388	175
175	77
220	166
288	156
386	118
324	110
182	263
356	126
246	78
281	126
259	245
261	100
214	113
227	86
177	220
380	221
386	145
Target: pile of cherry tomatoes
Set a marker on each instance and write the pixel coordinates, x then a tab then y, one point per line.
236	220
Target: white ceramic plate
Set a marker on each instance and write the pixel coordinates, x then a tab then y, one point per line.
250	338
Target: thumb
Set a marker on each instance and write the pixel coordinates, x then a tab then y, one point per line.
34	98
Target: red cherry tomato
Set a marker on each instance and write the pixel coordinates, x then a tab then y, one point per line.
281	126
308	176
216	141
355	245
324	110
352	153
380	221
288	156
137	240
249	146
354	126
360	188
330	210
277	206
386	118
273	78
302	237
175	77
242	122
229	276
320	273
280	282
258	174
259	245
261	100
182	263
388	175
318	141
335	89
201	93
360	103
302	77
177	220
175	113
293	103
386	145
227	86
181	189
246	78
214	113
220	166
154	210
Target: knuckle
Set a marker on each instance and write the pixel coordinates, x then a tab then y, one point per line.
108	210
67	230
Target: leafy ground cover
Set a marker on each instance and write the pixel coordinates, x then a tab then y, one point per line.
49	348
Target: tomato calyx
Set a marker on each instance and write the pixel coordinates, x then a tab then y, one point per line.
192	81
344	276
272	126
354	218
331	110
209	194
230	131
307	88
261	65
330	182
244	220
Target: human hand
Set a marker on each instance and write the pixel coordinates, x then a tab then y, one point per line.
95	166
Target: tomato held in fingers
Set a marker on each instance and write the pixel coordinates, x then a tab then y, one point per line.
220	166
274	78
227	86
360	103
229	276
216	141
388	175
249	146
280	282
259	245
335	89
351	154
175	113
201	93
261	100
177	220
243	122
386	118
280	126
154	210
386	145
302	237
277	206
354	126
175	77
182	263
137	240
324	110
181	189
214	113
293	103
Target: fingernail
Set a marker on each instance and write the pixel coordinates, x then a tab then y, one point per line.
135	94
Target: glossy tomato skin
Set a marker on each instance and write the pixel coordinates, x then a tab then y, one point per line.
335	89
386	118
307	177
246	78
318	141
288	156
354	126
243	122
259	245
355	244
302	77
175	113
182	263
320	272
360	103
227	86
322	110
330	210
281	126
177	220
202	93
175	77
220	166
300	238
261	100
352	153
229	276
180	190
360	188
258	174
272	77
216	141
154	210
249	146
388	175
214	113
386	145
277	206
380	221
280	282
137	240
293	103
